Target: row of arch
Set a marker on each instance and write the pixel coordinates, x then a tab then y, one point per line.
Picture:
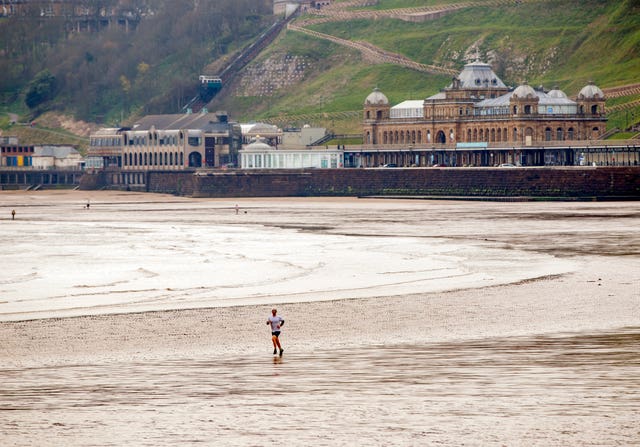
148	159
152	138
490	135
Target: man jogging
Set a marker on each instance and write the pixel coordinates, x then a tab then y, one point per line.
276	323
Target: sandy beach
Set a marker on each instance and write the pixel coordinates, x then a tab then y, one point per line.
408	322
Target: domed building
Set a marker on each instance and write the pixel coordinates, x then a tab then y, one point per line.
477	108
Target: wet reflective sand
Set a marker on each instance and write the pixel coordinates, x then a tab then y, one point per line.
582	390
534	340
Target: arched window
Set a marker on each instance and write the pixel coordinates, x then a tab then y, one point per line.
559	134
547	134
528	132
570	133
505	134
594	109
527	109
493	135
469	135
515	134
419	136
195	160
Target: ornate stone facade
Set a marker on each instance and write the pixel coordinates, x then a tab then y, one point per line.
479	107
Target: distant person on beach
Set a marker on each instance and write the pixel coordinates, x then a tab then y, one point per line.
13	214
276	323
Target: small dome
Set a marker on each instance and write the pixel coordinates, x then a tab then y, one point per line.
376	97
258	144
591	91
524	91
557	93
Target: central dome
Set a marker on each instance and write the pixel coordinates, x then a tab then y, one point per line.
479	75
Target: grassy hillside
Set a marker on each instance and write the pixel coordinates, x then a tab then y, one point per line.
542	42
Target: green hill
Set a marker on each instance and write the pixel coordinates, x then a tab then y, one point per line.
544	42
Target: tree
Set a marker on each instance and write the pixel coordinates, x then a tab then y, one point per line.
41	89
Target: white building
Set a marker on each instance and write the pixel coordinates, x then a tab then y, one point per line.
56	157
259	155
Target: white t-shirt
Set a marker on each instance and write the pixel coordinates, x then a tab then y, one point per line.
275	322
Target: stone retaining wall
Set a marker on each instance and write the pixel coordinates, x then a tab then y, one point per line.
571	182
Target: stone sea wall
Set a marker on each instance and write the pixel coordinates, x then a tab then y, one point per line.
556	182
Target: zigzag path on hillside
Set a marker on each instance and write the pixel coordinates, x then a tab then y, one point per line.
622	90
374	54
626	106
340	12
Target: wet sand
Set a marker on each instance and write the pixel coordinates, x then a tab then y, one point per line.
547	359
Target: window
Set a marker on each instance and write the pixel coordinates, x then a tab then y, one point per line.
547	134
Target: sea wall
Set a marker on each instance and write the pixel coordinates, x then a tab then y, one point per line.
569	182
